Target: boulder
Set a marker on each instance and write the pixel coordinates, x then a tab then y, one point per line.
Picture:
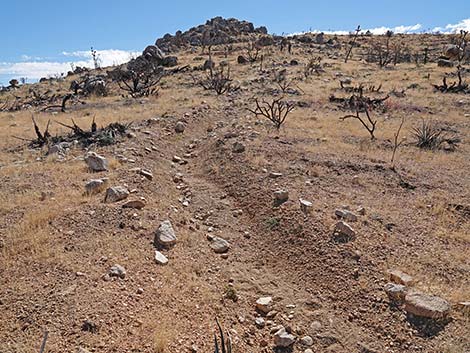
165	234
264	304
117	271
425	305
95	162
116	193
137	204
283	339
179	127
160	258
343	232
306	206
444	63
280	196
396	292
238	147
399	277
95	186
219	245
346	215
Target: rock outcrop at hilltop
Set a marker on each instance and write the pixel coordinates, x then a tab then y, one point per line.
214	32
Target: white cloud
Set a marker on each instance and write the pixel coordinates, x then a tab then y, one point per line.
34	68
377	30
454	28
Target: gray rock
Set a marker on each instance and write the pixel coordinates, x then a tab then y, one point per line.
445	63
306	206
283	339
117	271
238	147
343	232
95	186
165	234
95	162
116	193
425	305
396	292
160	258
280	196
307	341
179	127
219	245
346	215
259	322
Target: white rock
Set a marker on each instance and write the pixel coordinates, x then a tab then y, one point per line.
95	162
165	234
116	193
219	245
306	206
160	258
264	304
259	322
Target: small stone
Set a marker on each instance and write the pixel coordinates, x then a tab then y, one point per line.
396	292
280	196
264	304
138	204
82	350
146	173
219	245
160	258
283	339
308	350
116	193
95	186
306	206
165	234
140	290
426	305
95	162
343	232
399	277
179	127
178	178
307	341
259	322
464	307
271	314
275	175
238	147
117	271
346	215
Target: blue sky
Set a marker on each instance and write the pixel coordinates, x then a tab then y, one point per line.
37	31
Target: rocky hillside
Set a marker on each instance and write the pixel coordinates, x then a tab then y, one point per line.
216	31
